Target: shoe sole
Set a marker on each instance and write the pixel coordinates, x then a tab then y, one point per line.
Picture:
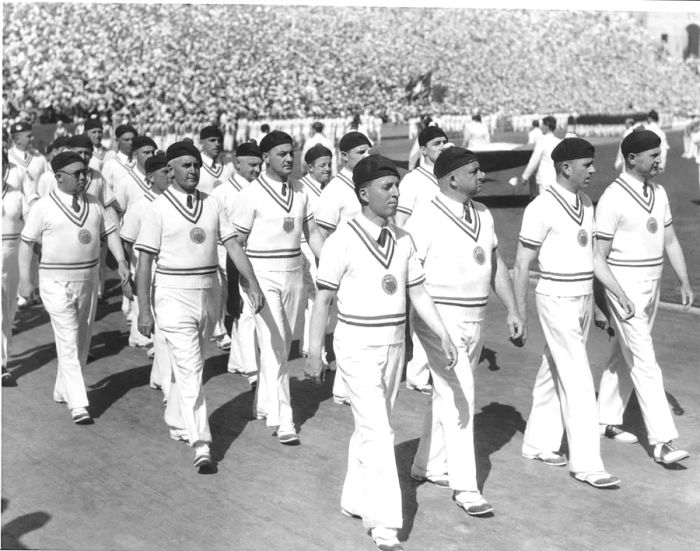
663	462
202	461
289	441
82	420
548	463
475	512
608	484
349	514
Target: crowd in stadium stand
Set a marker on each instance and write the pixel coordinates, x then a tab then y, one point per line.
186	64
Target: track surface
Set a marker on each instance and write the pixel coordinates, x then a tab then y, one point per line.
122	484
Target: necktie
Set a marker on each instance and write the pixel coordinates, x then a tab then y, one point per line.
646	193
213	164
383	235
189	201
284	189
76	205
467	214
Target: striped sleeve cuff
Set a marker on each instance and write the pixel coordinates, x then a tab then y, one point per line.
404	210
327	285
529	242
604	236
668	223
228	236
326	225
241	229
145	249
109	230
418	281
28	239
308	217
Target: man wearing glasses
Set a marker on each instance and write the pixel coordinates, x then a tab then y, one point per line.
68	224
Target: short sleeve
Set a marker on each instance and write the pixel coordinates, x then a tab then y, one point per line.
151	233
328	210
226	229
106	224
332	263
131	223
535	226
420	234
243	214
308	212
606	217
34	225
120	195
668	219
407	197
415	274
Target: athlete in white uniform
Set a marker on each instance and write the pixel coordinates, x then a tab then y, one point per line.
214	172
369	265
318	160
180	229
338	203
634	228
270	215
130	185
243	354
159	180
540	163
68	225
420	186
120	161
15	207
457	245
558	226
23	155
93	130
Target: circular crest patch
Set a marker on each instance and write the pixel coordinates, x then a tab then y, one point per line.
652	225
582	238
84	236
389	284
479	255
198	235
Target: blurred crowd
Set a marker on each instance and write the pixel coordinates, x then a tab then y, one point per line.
169	66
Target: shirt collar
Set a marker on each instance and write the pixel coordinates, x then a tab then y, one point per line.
565	193
345	172
634	182
373	229
182	195
453	205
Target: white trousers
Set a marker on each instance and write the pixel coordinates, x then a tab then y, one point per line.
372	375
564	396
220	327
633	365
71	305
10	283
186	318
309	278
243	356
275	325
417	371
447	443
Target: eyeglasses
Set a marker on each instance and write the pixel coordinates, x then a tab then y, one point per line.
77	174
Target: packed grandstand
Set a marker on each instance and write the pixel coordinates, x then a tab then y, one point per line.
160	64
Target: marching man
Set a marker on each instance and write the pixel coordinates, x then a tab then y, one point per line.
457	245
68	224
180	229
368	264
558	226
634	228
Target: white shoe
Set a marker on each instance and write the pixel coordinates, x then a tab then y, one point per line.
21	302
473	503
202	456
617	434
425	389
223	342
667	453
385	539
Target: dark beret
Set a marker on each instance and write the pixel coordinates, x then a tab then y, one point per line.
64	159
61	141
352	140
316	152
81	140
142	141
156	162
20	127
248	149
210	131
123	129
181	149
373	167
451	159
430	133
639	140
273	139
572	148
93	123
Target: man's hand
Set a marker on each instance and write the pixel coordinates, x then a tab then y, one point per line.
145	322
687	295
516	329
315	369
25	289
256	296
450	350
125	277
627	306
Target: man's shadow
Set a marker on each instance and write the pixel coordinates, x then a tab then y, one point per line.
405	452
228	421
12	531
308	395
108	390
494	426
30	317
31	360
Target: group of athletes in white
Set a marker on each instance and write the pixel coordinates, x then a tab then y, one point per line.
353	252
